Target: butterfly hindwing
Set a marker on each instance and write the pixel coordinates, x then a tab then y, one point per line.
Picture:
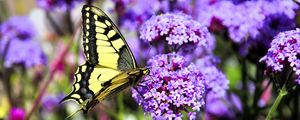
89	80
103	43
81	91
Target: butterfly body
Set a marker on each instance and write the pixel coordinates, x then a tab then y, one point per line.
121	82
110	66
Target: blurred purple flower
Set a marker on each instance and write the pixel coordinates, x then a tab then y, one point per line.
248	18
192	52
222	108
28	53
216	86
62	4
18	44
132	17
285	49
171	88
272	25
253	24
138	48
184	6
17	114
16	27
133	13
51	102
216	81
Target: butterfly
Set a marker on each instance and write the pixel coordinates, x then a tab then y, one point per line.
110	66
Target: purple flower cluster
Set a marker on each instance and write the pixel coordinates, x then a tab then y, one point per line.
29	53
173	33
226	107
176	29
17	45
246	18
132	17
52	4
285	49
141	10
171	88
17	27
216	81
217	105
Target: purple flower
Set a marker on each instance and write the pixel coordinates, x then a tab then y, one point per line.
192	52
17	27
51	102
253	24
18	44
216	87
171	88
185	6
52	4
272	25
176	29
17	114
28	53
285	49
133	13
216	81
222	108
130	18
248	18
177	33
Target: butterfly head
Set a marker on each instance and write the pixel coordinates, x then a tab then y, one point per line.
146	71
138	74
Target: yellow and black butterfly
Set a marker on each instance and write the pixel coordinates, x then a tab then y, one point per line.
110	66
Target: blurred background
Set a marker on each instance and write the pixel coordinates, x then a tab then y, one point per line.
41	47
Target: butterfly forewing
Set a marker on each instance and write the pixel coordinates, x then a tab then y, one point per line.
103	44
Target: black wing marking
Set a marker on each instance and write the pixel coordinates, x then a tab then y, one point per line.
81	91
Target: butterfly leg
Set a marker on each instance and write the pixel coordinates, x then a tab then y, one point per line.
138	92
89	105
141	85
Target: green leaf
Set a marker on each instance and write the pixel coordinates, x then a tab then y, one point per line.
232	71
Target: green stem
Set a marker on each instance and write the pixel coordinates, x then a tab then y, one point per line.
283	92
50	77
244	97
120	106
